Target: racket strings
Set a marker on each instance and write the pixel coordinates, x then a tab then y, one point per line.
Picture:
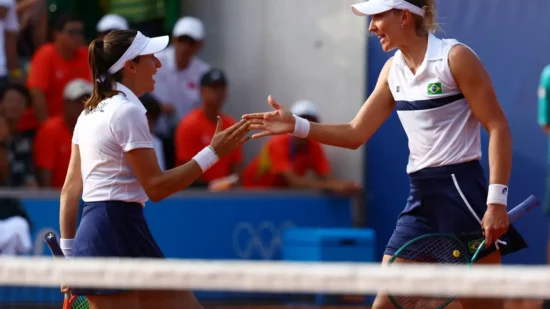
80	303
441	249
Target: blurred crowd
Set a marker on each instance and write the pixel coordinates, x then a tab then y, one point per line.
45	78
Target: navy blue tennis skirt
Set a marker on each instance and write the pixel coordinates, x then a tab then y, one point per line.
449	199
113	229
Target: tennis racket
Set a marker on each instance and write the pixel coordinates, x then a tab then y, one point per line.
447	249
71	301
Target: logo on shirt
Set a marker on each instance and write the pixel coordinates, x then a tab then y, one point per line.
435	88
397	89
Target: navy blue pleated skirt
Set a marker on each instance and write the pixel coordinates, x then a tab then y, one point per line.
113	229
449	199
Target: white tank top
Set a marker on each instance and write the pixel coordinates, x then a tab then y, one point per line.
116	126
437	119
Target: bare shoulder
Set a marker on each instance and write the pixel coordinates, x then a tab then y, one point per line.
387	66
462	58
385	73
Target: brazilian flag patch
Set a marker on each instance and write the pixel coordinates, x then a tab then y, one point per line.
474	245
435	88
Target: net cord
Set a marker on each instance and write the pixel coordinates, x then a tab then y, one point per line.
279	277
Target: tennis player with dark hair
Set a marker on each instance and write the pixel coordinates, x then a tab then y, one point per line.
442	94
114	167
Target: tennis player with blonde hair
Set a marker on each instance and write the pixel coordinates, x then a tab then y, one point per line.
442	94
114	167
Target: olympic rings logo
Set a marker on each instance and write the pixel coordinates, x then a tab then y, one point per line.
263	241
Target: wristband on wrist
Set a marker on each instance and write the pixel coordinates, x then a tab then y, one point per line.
67	247
206	158
498	194
301	127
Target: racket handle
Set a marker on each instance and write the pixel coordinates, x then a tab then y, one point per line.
51	240
521	209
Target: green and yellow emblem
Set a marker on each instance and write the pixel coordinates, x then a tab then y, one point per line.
435	88
474	245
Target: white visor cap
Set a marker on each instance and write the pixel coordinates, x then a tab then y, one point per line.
141	45
373	7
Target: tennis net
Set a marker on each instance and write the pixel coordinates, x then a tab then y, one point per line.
34	282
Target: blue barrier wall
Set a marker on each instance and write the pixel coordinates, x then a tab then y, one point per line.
231	225
509	37
204	225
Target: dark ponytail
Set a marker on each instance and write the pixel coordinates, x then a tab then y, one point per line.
102	54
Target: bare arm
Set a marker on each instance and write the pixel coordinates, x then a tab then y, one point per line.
475	83
70	196
39	104
158	184
373	113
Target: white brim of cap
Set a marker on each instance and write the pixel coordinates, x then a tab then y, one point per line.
155	45
368	8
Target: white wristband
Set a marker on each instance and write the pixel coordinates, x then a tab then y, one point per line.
67	247
206	158
498	194
301	127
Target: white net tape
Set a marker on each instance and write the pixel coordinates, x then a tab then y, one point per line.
280	277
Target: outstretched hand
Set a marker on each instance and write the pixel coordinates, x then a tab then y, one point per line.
277	122
224	142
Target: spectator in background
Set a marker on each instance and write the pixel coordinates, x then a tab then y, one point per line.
15	228
33	29
146	16
18	144
109	23
177	81
285	161
197	128
53	66
544	122
52	146
9	25
153	112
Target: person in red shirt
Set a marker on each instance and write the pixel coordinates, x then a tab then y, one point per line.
52	67
286	160
196	129
52	145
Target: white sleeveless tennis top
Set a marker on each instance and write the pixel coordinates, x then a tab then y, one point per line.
104	135
438	121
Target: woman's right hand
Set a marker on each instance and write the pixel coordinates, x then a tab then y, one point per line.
280	121
224	142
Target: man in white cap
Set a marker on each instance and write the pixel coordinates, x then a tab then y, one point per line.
52	144
285	162
177	85
109	23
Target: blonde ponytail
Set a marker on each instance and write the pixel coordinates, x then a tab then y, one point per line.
430	15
